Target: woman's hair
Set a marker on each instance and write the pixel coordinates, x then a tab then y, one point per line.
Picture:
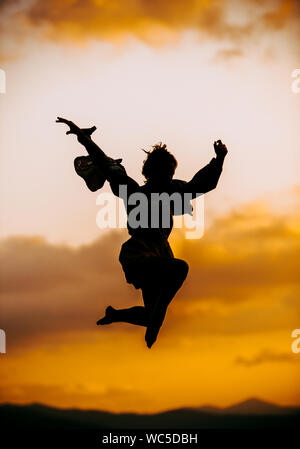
159	162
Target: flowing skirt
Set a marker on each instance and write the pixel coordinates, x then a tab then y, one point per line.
136	251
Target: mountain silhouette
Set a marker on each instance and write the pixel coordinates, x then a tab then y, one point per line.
249	414
251	406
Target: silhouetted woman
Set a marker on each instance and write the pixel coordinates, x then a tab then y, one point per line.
146	258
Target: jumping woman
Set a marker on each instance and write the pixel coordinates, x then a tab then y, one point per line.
146	258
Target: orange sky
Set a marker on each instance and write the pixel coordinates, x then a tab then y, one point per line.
184	76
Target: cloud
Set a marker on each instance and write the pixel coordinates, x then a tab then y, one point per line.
82	394
239	304
228	54
267	356
241	252
278	17
155	22
243	278
50	288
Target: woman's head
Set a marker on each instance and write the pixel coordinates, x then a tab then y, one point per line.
159	164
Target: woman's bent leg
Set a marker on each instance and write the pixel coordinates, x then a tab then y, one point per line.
168	276
161	279
165	275
134	315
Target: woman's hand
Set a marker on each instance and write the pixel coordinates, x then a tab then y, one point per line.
220	149
81	133
74	129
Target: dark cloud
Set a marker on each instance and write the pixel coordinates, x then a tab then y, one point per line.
281	14
246	250
155	21
50	288
243	278
79	394
106	19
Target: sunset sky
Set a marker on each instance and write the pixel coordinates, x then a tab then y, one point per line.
185	73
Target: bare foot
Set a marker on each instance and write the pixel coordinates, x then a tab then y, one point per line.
155	324
108	318
151	336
